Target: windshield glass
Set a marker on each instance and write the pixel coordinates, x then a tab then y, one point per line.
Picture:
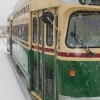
87	26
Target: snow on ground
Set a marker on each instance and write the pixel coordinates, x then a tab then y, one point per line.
9	86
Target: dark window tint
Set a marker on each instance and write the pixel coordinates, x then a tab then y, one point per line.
40	30
14	30
24	10
40	77
49	34
22	31
49	81
34	75
27	8
26	27
34	29
17	30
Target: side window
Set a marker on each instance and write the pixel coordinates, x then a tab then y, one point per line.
49	34
26	27
22	30
40	30
17	30
34	29
24	10
14	30
27	8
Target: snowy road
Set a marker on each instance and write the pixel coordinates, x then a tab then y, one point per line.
9	86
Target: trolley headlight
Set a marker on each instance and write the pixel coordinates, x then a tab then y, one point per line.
72	72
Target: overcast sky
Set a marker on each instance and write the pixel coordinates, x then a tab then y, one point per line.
6	7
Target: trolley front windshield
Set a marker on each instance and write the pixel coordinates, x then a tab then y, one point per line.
86	25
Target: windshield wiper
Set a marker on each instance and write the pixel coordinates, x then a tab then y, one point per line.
79	41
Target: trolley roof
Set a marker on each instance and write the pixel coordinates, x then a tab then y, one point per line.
19	3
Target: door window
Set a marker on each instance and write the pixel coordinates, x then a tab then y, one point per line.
49	34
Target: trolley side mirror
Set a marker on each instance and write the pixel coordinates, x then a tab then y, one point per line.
48	17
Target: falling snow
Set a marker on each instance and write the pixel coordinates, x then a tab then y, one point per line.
9	86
